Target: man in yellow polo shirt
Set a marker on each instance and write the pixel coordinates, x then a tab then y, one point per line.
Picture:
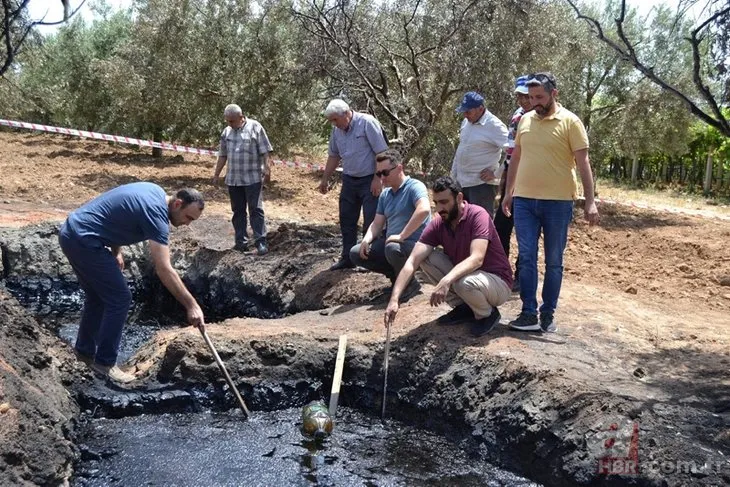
550	142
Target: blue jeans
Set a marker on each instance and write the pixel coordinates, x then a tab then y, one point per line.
355	195
106	296
387	259
552	217
247	197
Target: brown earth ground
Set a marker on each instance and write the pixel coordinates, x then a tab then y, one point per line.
644	309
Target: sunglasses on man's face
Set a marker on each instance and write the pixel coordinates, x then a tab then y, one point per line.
384	172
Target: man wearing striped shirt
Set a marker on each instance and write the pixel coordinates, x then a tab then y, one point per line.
245	147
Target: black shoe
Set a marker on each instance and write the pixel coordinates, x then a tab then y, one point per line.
241	247
525	322
547	323
342	264
261	248
459	314
482	326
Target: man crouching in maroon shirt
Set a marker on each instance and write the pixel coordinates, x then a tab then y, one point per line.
472	274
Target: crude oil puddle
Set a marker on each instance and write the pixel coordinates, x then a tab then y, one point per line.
221	449
133	337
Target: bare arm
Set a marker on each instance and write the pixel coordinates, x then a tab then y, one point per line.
514	163
332	163
171	280
218	168
265	161
586	176
423	208
375	228
420	252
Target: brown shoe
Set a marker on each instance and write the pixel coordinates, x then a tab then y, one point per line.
114	373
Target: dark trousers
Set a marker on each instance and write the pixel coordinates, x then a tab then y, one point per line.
354	197
242	198
387	259
106	296
482	195
504	225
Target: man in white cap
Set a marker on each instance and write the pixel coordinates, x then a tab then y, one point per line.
476	163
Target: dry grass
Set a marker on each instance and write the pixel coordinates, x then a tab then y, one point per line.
663	199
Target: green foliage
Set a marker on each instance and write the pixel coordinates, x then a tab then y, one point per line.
167	69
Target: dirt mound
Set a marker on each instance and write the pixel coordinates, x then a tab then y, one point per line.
35	408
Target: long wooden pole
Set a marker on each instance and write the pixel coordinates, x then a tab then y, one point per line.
337	378
218	360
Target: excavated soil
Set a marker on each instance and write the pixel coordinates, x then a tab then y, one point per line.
644	322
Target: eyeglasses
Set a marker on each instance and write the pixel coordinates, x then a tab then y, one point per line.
384	172
544	79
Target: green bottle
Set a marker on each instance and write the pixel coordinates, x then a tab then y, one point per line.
316	421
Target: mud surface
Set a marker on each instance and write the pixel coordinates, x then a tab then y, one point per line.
221	449
643	341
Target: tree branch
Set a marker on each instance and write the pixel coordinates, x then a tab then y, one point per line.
628	54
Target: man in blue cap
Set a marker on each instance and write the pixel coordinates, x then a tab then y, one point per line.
502	222
476	164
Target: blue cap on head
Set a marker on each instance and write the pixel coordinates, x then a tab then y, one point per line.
521	85
471	100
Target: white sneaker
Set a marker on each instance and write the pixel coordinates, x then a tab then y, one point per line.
114	373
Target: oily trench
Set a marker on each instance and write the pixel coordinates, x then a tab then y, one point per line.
538	406
643	344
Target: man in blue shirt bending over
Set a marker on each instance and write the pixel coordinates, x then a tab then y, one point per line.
403	211
92	238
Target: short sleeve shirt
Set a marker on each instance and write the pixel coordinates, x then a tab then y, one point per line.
244	147
358	145
474	223
125	215
547	161
398	207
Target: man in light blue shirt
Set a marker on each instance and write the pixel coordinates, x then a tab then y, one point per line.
403	211
476	163
355	140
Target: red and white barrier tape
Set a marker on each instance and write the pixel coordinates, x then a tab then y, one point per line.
291	164
140	142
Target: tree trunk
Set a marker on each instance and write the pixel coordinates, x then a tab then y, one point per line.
634	168
708	173
157	137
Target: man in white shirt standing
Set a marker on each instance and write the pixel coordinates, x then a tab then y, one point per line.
476	163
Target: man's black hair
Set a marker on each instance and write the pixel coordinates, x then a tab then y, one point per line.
445	182
190	195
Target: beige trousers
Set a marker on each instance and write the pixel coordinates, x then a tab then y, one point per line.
480	290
